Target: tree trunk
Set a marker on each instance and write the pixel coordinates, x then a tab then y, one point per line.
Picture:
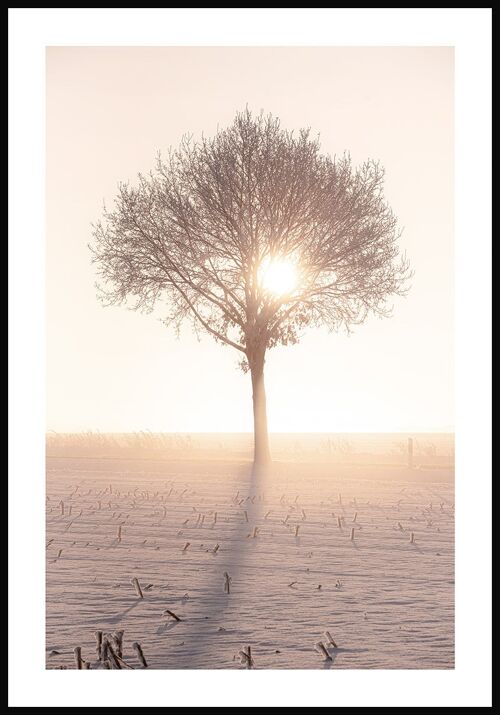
261	455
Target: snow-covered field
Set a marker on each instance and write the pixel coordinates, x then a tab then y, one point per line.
312	548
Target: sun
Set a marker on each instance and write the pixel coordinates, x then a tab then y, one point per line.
278	276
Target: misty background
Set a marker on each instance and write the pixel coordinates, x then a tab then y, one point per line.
109	110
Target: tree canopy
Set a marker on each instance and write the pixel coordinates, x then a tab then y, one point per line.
196	232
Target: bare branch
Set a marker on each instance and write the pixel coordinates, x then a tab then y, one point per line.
194	233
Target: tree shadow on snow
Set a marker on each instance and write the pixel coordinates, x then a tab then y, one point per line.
231	559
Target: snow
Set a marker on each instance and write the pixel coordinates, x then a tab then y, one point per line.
387	602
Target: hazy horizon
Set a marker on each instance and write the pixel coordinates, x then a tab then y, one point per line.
443	431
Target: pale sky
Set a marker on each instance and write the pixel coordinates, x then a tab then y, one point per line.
109	110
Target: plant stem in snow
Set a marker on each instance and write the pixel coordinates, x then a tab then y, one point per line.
140	654
77	652
136	585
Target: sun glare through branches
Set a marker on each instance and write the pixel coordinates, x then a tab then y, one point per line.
279	276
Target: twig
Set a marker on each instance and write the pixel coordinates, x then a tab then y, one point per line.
330	640
104	650
77	652
123	662
321	647
98	637
114	658
118	639
171	613
137	647
246	656
136	585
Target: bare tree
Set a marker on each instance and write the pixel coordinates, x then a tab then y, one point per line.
253	235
